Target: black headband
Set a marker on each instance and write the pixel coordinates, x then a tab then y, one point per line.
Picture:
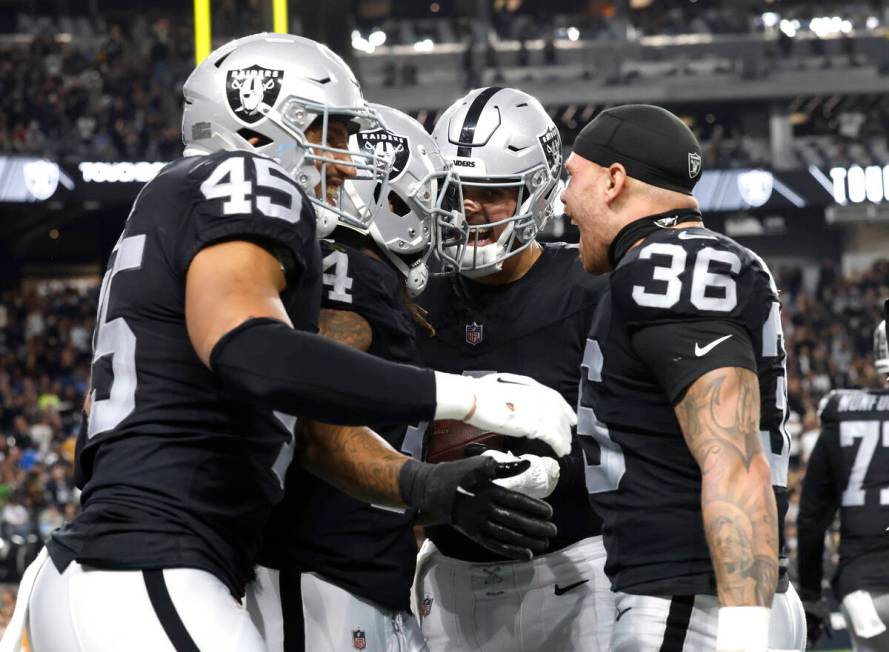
650	142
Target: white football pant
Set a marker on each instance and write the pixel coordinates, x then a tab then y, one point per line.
553	603
688	623
867	618
332	618
172	610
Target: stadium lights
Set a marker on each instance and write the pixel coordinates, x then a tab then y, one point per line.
872	22
573	33
377	38
789	27
825	26
770	19
426	45
362	44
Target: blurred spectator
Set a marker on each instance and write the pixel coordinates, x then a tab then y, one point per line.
107	97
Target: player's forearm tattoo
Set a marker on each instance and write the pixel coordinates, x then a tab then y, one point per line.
719	416
346	327
353	459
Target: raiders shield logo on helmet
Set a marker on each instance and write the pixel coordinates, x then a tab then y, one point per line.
426	606
359	640
552	149
694	164
248	88
475	333
384	143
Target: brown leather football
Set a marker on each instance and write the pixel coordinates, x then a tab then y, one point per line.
447	440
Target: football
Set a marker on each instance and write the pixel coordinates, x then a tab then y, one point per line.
448	440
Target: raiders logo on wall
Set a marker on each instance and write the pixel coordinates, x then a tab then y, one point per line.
247	88
385	143
552	149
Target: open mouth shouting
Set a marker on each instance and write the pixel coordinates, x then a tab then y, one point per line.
482	237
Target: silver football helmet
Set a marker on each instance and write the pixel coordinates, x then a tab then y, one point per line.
502	137
272	88
881	343
423	192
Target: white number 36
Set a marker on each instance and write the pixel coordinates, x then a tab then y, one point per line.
725	297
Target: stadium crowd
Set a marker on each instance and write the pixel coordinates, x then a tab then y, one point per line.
91	98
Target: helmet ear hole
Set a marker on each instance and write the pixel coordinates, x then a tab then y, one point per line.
397	205
261	139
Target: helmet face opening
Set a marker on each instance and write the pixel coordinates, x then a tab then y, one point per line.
322	153
521	228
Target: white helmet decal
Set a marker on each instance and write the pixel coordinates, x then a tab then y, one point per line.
384	143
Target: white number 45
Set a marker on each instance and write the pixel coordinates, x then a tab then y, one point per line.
238	189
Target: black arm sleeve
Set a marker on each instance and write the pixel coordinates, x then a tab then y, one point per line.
679	352
314	378
817	506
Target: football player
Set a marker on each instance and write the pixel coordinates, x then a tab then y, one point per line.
683	399
523	307
849	470
345	581
198	366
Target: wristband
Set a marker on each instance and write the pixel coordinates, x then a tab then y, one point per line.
743	629
454	396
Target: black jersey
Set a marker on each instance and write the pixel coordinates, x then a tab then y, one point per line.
369	551
680	304
848	470
537	327
175	470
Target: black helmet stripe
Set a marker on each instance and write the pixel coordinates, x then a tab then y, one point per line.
467	132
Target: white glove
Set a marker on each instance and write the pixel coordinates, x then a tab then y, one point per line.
539	481
513	405
743	629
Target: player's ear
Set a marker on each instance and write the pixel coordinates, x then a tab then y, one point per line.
616	180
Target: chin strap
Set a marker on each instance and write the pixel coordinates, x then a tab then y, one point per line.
643	227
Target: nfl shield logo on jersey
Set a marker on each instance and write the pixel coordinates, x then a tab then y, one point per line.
475	333
426	606
359	640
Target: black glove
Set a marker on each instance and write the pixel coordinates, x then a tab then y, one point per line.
463	494
817	620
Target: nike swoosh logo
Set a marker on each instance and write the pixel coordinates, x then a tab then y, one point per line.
621	613
685	235
699	350
461	490
561	591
